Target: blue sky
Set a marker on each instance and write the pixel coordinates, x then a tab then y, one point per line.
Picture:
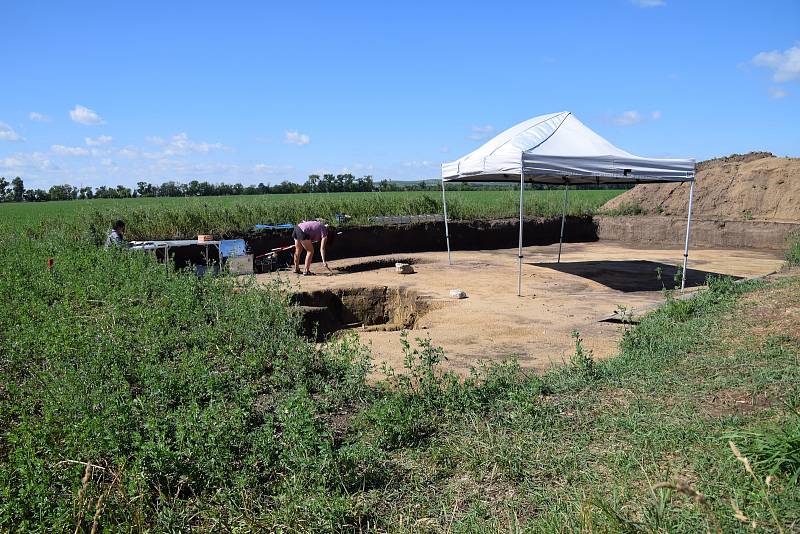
97	93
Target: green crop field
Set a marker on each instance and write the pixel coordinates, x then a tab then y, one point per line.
149	218
134	399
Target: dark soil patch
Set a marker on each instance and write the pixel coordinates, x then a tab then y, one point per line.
373	265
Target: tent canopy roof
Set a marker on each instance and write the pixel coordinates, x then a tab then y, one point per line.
557	149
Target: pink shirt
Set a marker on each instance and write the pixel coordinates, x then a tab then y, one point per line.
315	229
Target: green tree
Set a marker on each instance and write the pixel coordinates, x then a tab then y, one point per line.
35	195
61	192
3	185
170	189
17	189
312	184
145	189
123	192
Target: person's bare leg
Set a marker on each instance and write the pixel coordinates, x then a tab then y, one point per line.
309	246
298	249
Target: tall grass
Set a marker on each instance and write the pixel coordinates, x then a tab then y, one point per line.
150	218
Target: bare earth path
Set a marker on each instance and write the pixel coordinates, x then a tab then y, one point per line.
592	280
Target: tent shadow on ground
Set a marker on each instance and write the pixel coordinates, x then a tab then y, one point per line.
630	275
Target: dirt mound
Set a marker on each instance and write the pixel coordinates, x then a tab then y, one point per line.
756	186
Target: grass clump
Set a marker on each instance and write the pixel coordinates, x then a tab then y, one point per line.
626	208
793	249
774	450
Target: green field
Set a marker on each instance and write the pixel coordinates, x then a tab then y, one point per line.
150	218
136	399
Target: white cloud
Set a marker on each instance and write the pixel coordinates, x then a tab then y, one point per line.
155	140
38	117
180	144
649	3
480	132
444	149
628	118
99	140
786	64
130	152
36	161
419	164
177	145
62	150
296	138
84	115
11	162
776	93
265	168
7	133
655	115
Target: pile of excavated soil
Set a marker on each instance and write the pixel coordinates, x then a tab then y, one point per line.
757	186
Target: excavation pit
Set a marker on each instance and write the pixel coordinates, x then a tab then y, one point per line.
367	295
380	308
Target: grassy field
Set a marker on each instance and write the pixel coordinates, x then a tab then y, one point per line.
150	218
139	400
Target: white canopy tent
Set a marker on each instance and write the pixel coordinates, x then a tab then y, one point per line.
559	149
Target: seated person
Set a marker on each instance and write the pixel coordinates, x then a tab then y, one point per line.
116	237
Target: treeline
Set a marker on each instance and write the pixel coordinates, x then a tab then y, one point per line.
14	190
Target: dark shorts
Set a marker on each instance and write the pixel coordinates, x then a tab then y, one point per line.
299	234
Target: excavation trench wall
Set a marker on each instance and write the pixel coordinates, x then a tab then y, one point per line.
358	241
670	231
651	231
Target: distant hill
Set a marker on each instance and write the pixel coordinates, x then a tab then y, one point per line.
757	185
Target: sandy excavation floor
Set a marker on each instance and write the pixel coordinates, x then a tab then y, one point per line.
493	323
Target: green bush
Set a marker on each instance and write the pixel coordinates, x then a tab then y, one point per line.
793	249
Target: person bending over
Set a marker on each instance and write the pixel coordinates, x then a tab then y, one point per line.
305	234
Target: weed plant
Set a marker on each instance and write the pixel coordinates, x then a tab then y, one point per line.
793	249
626	208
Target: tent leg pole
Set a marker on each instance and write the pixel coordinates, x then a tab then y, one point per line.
688	230
563	220
519	253
446	229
